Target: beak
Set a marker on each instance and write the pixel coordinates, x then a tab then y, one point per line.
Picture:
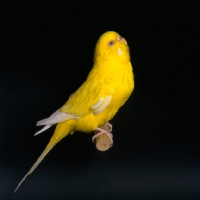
121	39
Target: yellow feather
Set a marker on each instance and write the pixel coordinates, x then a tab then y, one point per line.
108	85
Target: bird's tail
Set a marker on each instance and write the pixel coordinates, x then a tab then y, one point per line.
62	130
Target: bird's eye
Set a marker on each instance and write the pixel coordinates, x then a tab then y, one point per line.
111	43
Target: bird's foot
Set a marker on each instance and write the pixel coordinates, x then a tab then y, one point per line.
109	126
101	131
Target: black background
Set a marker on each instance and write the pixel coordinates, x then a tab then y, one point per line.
46	54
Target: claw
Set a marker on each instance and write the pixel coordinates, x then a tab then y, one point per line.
103	132
109	126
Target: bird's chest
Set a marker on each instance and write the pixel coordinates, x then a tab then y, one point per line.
122	87
123	90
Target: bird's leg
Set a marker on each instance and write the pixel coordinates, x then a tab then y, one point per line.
102	131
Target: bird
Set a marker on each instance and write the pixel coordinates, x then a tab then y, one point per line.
107	87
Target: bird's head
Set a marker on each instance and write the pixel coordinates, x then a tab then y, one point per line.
111	46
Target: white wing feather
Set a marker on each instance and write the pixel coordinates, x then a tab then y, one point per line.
98	104
57	117
101	104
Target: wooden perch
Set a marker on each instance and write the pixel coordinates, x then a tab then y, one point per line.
103	142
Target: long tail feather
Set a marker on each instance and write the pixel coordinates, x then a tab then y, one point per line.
44	153
62	130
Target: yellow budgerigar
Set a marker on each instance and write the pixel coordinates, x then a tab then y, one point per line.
107	87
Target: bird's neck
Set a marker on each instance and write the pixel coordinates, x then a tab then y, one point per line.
110	69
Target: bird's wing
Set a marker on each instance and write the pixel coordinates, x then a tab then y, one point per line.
92	97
